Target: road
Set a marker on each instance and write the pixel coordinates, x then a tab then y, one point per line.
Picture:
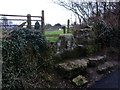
110	81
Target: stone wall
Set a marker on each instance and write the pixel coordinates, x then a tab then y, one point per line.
84	36
65	42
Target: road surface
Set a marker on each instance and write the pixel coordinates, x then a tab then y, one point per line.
109	82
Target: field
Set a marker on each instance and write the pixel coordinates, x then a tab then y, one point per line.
55	34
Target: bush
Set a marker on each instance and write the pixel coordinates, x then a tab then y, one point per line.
115	40
24	51
91	49
106	35
103	33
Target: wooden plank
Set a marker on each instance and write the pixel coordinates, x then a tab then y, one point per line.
15	19
13	15
18	15
14	25
20	20
9	25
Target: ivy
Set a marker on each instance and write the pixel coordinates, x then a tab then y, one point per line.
23	51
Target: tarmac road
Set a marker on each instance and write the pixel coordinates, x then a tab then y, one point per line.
110	82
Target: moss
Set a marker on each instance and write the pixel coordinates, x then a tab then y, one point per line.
79	80
91	49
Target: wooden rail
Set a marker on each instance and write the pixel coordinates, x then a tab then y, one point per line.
18	15
20	20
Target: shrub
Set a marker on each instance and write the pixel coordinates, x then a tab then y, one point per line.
24	51
115	40
103	32
90	49
106	35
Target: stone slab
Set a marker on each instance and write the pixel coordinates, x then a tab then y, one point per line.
72	68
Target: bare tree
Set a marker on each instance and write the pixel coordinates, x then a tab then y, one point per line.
83	10
87	11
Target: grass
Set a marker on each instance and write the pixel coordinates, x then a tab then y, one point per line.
52	38
53	32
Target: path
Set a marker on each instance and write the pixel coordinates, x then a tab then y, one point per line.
111	80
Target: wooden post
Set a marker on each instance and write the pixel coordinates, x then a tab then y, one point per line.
42	22
68	26
29	21
64	29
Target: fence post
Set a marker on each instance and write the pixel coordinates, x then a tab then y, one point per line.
68	26
42	22
29	21
64	29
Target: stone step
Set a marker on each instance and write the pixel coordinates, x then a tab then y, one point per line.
96	60
107	66
71	69
79	80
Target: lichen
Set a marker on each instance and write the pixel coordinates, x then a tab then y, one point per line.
80	80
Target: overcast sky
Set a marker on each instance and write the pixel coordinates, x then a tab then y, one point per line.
53	13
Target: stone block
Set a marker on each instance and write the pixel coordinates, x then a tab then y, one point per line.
104	68
71	69
79	80
95	61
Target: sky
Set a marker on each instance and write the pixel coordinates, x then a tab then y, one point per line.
53	12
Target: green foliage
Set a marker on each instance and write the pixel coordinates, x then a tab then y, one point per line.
115	40
91	49
103	32
58	25
24	51
106	35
